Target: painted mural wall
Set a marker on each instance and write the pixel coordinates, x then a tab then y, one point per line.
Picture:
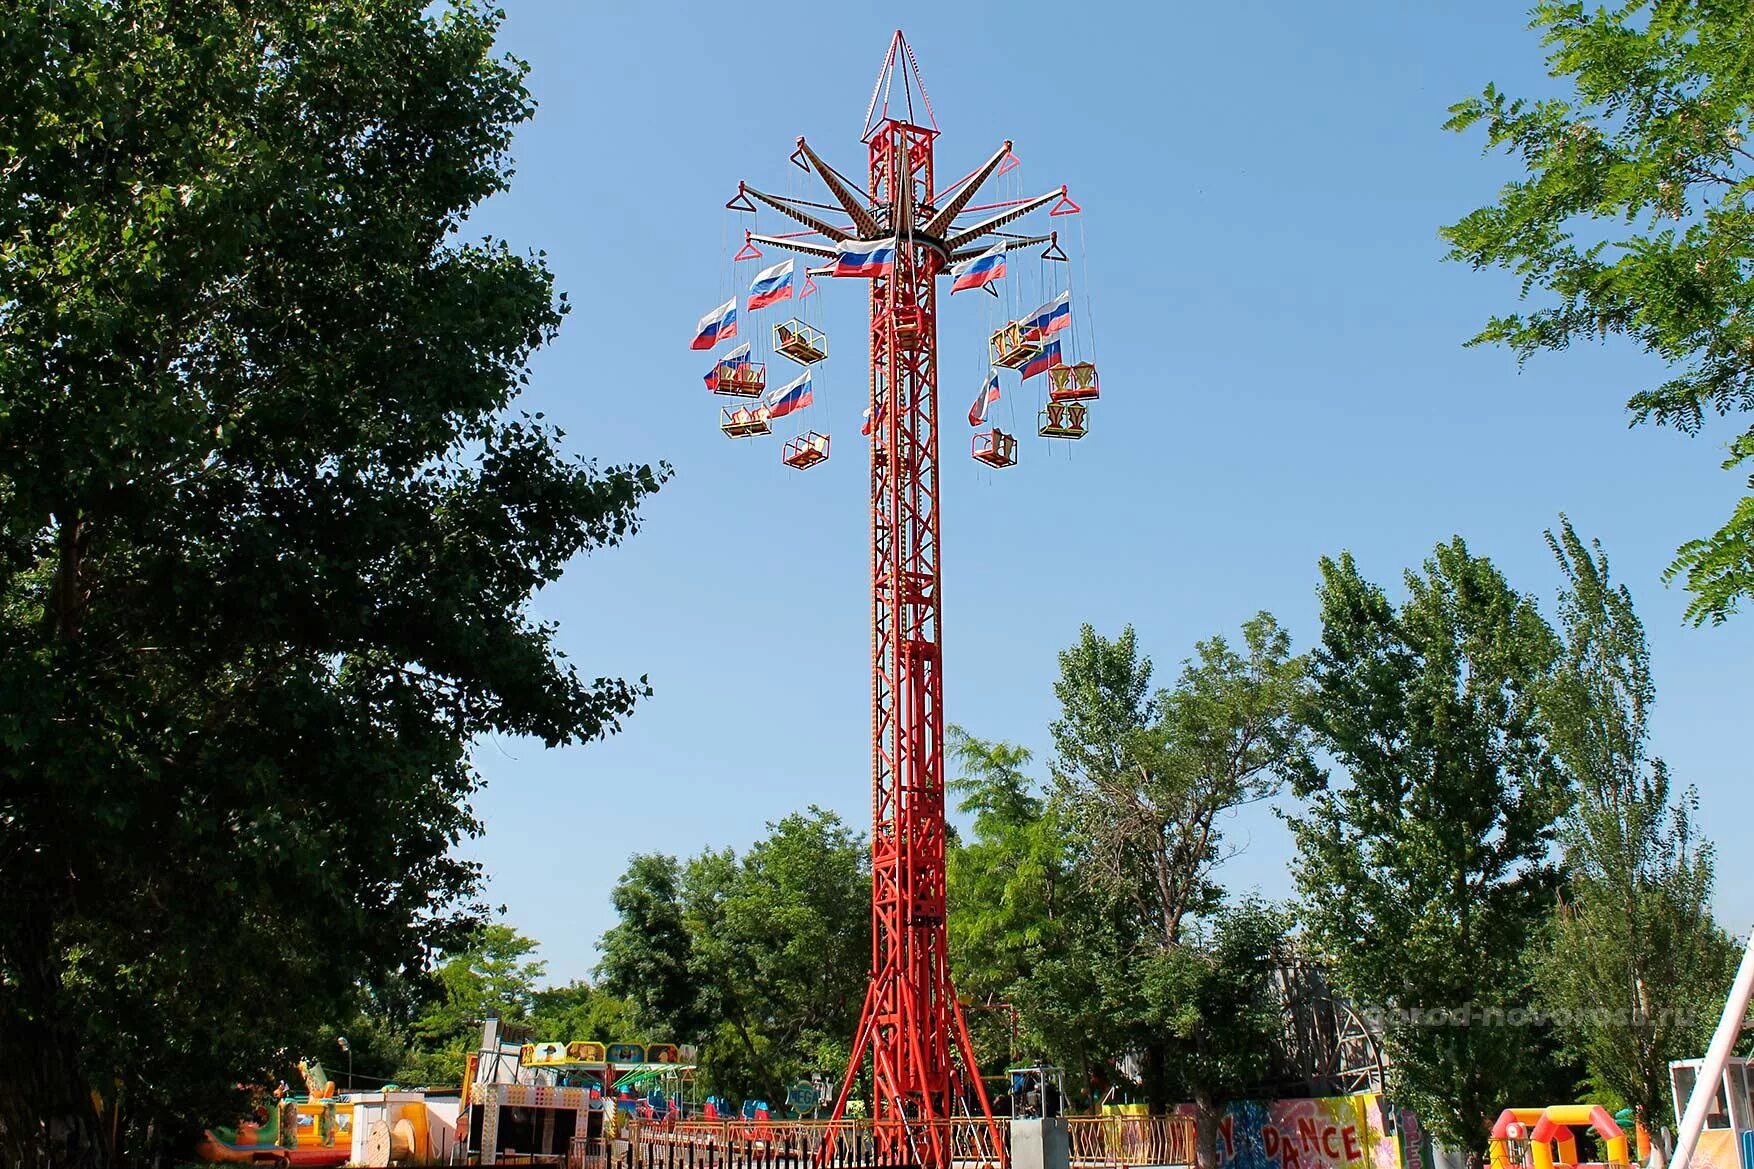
1335	1132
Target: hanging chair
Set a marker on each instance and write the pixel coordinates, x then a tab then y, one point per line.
1063	420
805	451
743	422
995	448
800	342
910	326
745	380
1010	348
1073	383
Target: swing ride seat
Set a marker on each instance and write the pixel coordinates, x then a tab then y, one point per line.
743	422
805	451
910	326
995	448
741	381
1010	348
1073	383
1064	420
800	342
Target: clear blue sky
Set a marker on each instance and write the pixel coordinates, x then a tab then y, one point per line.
1283	378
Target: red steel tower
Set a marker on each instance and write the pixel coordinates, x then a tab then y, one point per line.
912	1027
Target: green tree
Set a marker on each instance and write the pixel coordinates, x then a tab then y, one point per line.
760	960
378	1026
1147	778
1075	904
1637	964
493	977
1023	921
579	1010
648	955
1216	1002
268	531
1033	928
1428	866
1633	217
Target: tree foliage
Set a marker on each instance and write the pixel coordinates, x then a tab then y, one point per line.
1216	1003
760	960
1025	925
1637	964
1091	905
268	529
493	977
1148	777
496	975
1426	865
1633	216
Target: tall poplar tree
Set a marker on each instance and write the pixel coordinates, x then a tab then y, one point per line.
1637	964
1426	859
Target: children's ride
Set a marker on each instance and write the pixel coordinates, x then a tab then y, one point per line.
305	1133
1543	1138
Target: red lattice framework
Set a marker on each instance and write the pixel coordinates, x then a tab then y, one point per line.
912	1028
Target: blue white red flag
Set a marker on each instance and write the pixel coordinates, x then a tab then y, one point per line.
863	257
869	423
989	394
737	358
1049	319
794	395
718	325
771	284
1043	361
980	271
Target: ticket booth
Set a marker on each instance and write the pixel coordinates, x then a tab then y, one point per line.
1728	1139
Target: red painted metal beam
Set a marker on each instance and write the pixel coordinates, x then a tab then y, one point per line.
922	1061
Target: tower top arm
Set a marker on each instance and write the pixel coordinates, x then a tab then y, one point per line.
961	237
852	201
939	223
785	207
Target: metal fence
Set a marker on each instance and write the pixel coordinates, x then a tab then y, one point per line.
1130	1140
796	1144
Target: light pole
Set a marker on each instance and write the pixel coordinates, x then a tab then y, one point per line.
348	1048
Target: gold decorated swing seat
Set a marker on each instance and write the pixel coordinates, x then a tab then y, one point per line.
743	422
800	342
1073	383
1010	347
1064	420
746	380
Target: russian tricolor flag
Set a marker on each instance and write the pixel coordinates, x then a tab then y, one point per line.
1049	319
737	358
794	395
861	257
718	325
1043	361
980	271
989	394
771	284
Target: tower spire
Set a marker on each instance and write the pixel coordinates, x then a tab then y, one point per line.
898	62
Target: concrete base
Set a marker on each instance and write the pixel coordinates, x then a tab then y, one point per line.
1040	1144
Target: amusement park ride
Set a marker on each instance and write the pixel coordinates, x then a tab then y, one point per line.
901	234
